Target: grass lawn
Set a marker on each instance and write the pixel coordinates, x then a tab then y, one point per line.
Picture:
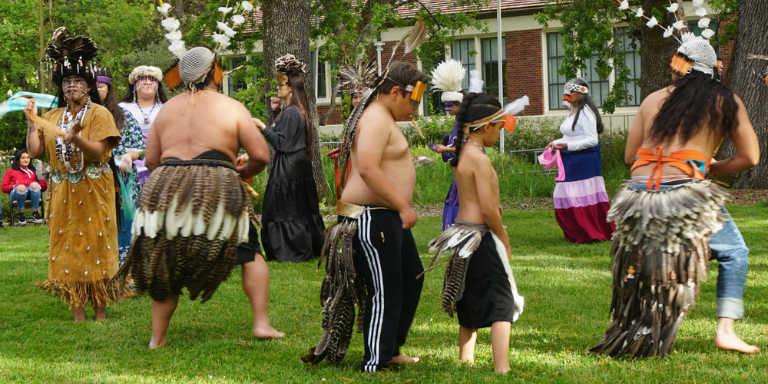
566	288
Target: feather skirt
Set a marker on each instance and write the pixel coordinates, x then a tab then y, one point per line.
341	291
190	220
660	252
460	242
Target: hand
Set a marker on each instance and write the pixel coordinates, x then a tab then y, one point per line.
408	217
549	147
259	124
274	103
70	137
241	171
562	146
127	162
30	108
242	158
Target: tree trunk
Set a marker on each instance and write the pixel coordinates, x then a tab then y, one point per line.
285	27
655	52
752	38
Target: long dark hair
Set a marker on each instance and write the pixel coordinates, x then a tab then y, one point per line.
475	106
696	101
159	95
16	163
299	99
586	100
110	103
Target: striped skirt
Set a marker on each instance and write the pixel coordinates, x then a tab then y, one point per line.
581	202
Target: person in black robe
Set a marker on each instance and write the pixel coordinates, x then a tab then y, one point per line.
292	228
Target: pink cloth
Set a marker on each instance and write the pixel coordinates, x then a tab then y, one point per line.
548	160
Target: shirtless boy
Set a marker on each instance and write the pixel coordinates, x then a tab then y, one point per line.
382	180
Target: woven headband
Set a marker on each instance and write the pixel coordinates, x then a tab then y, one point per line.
576	88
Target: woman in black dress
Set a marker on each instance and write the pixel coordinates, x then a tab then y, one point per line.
292	228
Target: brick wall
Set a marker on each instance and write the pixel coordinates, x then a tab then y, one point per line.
336	116
727	50
525	75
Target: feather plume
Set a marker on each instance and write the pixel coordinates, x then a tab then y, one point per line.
412	39
357	75
475	81
517	106
759	57
447	77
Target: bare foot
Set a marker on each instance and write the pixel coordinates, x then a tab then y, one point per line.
502	371
734	343
79	314
403	359
154	343
264	332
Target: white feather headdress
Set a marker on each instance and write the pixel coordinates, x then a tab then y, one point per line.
447	77
475	81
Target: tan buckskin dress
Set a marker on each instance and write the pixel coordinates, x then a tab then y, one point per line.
83	254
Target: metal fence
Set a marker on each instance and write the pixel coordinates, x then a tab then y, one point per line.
536	153
328	146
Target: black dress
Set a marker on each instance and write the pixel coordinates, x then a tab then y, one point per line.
292	226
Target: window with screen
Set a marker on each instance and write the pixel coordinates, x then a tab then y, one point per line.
624	42
714	25
555	81
598	87
235	84
464	51
489	52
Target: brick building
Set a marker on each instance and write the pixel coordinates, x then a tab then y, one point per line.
530	61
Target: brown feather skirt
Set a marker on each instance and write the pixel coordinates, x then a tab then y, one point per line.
191	218
660	252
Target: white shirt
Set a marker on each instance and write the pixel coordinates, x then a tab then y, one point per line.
137	113
583	135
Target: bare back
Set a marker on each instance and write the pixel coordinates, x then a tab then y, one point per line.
705	141
214	122
475	177
379	142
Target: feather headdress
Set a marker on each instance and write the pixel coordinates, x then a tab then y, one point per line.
695	52
357	76
447	77
475	81
71	56
289	65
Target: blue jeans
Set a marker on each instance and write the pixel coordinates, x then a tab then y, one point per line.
20	198
731	252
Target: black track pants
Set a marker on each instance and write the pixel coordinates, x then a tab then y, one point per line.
386	255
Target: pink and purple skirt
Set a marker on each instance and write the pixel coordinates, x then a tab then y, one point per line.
581	201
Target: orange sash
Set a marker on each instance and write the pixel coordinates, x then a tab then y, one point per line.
679	159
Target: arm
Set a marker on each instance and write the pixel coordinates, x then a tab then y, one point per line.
153	152
7	187
34	144
91	149
43	184
635	138
746	143
371	141
284	130
486	197
588	123
255	147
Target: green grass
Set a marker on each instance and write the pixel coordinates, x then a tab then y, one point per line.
566	288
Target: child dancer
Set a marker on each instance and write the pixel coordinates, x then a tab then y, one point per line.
479	285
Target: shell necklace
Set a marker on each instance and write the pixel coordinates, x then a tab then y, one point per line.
68	153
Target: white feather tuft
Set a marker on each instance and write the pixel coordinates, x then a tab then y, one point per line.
517	106
475	81
448	75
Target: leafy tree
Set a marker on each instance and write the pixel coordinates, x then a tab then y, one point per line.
347	28
588	30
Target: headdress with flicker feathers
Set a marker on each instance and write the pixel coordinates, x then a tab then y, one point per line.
288	65
71	56
357	76
447	77
695	53
763	75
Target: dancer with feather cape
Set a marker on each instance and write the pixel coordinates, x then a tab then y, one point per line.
371	257
670	219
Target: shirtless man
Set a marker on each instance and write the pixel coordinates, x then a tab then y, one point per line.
382	180
727	245
190	126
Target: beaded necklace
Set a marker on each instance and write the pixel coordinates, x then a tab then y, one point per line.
146	115
478	145
69	154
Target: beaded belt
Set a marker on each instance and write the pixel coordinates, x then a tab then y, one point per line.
92	170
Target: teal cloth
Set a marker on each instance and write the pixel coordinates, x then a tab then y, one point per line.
16	103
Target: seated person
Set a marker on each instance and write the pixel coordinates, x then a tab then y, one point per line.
22	183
